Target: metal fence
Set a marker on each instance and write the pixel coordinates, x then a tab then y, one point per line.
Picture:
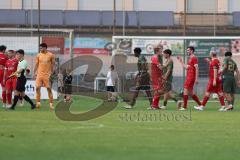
61	44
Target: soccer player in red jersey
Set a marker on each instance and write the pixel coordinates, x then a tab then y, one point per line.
214	83
156	75
3	59
192	77
10	83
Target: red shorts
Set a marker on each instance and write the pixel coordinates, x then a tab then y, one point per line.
189	84
214	89
157	83
1	79
11	84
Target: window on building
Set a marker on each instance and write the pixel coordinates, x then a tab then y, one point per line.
234	5
202	6
99	4
155	5
6	4
45	4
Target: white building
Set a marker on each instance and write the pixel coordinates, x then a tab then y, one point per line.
199	6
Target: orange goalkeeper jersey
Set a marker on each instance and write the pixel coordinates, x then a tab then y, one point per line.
44	62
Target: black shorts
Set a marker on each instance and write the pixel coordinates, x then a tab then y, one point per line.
21	82
167	86
67	89
143	81
110	88
229	85
60	89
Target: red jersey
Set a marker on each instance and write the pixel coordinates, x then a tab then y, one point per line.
3	59
191	70
11	66
155	70
214	64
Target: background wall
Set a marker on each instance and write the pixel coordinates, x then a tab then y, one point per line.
141	5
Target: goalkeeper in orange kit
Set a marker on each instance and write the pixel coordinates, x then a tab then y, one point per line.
45	62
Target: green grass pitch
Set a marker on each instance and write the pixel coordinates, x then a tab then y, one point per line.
40	135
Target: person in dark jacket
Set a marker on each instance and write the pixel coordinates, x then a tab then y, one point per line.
67	80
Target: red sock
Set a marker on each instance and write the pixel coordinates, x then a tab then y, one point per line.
156	100
4	96
185	99
9	98
195	98
221	100
205	100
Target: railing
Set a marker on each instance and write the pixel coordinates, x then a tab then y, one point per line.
133	19
204	19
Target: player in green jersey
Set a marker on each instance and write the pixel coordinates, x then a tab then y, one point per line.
167	79
229	81
142	79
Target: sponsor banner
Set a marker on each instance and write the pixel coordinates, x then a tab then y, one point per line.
123	45
55	44
148	45
16	43
31	91
203	47
88	51
88	45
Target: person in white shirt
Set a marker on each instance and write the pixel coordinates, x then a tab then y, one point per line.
111	80
21	80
